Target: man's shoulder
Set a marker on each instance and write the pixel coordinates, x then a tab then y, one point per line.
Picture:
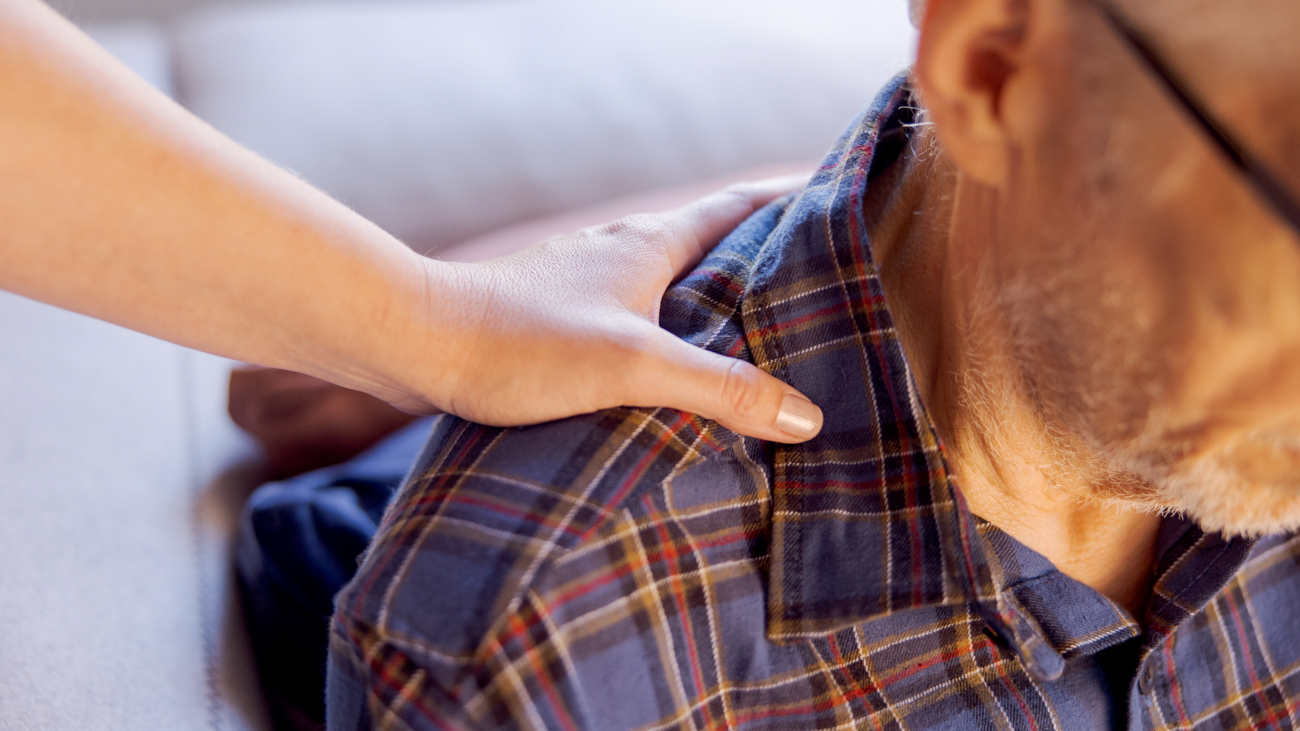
492	509
497	523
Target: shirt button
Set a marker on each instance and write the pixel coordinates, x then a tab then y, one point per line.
1147	680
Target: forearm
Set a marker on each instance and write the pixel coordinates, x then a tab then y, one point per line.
116	203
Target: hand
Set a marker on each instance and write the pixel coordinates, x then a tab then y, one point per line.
570	326
195	240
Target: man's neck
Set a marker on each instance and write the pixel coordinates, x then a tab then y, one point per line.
928	228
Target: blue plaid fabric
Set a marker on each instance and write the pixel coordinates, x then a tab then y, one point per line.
645	569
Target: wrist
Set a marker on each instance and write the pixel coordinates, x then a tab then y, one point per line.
430	317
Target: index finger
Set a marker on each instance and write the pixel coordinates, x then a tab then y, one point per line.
699	226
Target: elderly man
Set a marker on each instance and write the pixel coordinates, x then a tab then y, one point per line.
1051	309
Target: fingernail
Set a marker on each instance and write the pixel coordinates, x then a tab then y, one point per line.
799	417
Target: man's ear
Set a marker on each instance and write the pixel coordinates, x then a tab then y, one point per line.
969	54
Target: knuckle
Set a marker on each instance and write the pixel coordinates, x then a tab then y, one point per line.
629	358
629	341
739	195
742	391
640	227
635	343
741	192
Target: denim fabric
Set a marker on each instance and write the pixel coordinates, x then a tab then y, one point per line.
299	543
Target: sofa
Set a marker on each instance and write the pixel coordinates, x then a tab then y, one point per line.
121	476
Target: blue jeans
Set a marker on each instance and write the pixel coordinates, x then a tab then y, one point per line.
299	543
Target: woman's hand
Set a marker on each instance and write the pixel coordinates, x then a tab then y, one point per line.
570	326
120	205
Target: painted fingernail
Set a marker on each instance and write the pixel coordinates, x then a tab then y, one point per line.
799	417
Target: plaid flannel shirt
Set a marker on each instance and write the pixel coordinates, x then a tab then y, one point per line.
645	569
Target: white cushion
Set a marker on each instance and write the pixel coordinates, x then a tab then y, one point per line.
444	120
116	512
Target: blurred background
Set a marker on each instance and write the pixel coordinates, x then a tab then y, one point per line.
99	11
442	120
457	125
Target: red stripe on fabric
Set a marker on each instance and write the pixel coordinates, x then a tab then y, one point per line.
1020	699
505	509
691	648
725	280
867	302
605	579
387	673
839	698
780	327
1249	660
858	247
943	657
910	481
861	692
1175	694
543	678
651	454
964	537
562	600
848	680
367	586
796	486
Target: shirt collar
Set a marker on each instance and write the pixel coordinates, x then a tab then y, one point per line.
866	518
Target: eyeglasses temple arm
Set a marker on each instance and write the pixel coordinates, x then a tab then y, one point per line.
1268	185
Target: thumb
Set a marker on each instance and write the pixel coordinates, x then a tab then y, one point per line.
736	394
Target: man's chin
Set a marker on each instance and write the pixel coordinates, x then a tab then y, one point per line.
1250	487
